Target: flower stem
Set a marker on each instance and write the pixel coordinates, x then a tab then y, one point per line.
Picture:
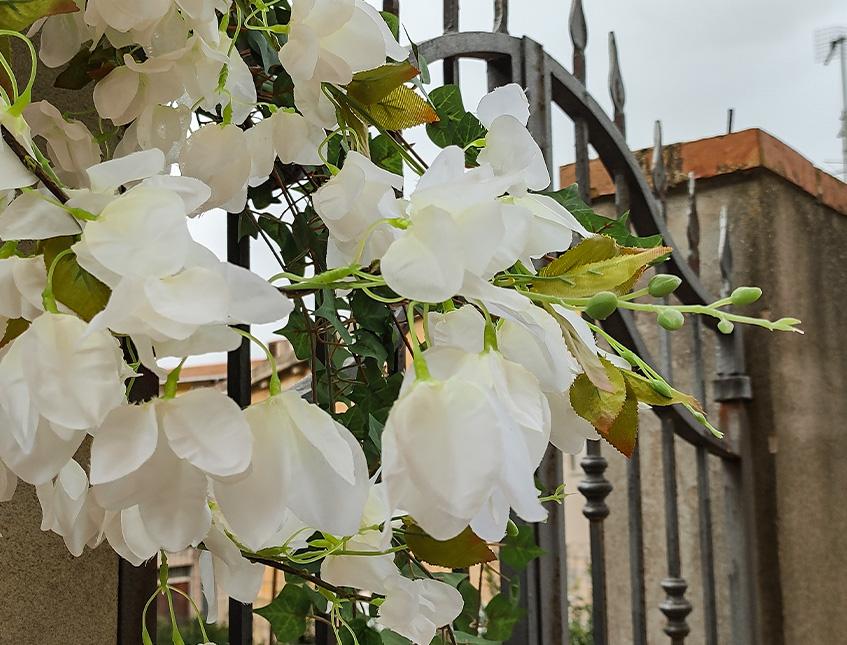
421	369
274	384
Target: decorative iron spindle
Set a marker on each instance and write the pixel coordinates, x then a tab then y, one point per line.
704	490
451	25
579	38
675	606
501	16
633	467
240	389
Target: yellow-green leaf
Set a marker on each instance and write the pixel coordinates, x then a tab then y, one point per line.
73	286
17	15
402	108
375	84
599	407
645	392
464	550
623	433
597	264
14	328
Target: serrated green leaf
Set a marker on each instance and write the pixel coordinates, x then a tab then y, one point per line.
616	229
588	360
596	264
297	331
374	85
17	15
14	328
287	613
73	286
599	407
464	550
623	433
502	614
401	109
519	550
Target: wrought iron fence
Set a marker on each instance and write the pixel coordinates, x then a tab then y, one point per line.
521	59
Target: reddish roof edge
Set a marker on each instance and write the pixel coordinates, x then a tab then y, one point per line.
724	155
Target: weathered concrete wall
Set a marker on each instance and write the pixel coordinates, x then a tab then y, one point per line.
785	241
47	597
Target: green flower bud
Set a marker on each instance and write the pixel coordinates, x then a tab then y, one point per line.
630	358
512	529
602	305
671	319
663	285
661	388
745	295
725	327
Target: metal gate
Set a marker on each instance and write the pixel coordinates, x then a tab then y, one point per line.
549	83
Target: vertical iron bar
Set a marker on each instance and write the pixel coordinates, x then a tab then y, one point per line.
391	6
579	38
704	489
239	388
451	25
501	16
633	468
675	607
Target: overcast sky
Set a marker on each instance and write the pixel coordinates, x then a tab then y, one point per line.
683	62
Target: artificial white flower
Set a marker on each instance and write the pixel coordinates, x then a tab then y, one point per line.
70	144
124	15
36	215
13	173
352	204
8	483
70	511
286	135
209	150
133	87
22	282
315	467
62	36
125	532
222	565
330	40
158	455
164	127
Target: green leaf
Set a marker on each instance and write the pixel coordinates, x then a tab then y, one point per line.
596	264
392	638
287	613
643	389
401	109
364	634
73	286
597	406
14	328
374	85
463	638
588	360
472	601
456	126
616	229
393	22
386	155
297	331
368	345
329	312
17	15
464	550
86	66
623	433
502	615
521	549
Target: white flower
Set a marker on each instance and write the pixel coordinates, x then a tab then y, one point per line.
35	215
330	40
22	281
70	511
158	126
223	565
62	37
131	88
125	532
286	135
8	483
315	467
352	203
70	144
207	152
158	456
125	15
13	174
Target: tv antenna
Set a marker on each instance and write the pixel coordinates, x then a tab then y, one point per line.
829	43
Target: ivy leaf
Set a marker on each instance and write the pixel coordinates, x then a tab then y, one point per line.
392	638
287	613
329	312
502	614
369	346
470	609
297	331
617	229
464	550
14	328
17	15
463	638
401	109
364	634
373	85
456	126
385	155
521	549
597	264
73	286
597	406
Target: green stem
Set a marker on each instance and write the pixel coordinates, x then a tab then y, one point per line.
274	384
421	369
173	380
48	298
197	611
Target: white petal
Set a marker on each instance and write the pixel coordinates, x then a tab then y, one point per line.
208	429
191	297
8	483
463	328
253	300
369	573
49	453
508	99
109	175
193	192
569	430
296	140
125	441
238	578
206	340
512	152
13	174
33	216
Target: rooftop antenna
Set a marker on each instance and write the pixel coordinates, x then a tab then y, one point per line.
830	42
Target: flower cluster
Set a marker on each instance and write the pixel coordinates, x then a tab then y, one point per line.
240	105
